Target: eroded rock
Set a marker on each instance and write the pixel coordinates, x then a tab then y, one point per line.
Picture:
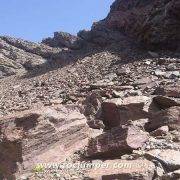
40	136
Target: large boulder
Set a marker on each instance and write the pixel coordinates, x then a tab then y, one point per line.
115	142
116	112
40	136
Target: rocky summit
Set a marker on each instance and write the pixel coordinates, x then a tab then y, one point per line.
104	104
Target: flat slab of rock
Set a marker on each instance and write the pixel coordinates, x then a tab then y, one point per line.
46	135
166	102
119	111
115	142
123	169
170	159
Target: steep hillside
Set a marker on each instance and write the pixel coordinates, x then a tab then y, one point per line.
104	104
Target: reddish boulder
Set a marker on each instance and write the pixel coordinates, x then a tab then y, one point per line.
118	112
117	141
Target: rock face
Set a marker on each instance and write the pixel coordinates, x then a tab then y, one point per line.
116	142
151	22
40	136
100	36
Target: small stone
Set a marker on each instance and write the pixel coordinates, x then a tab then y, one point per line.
123	71
159	73
147	62
160	131
174	74
24	177
153	54
56	101
116	94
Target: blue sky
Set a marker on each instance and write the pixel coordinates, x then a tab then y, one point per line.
37	19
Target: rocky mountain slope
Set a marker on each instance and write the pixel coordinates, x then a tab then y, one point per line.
104	104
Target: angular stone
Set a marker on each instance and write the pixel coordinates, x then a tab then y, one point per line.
101	84
165	102
160	131
117	141
123	169
170	159
145	80
92	104
170	91
117	112
40	136
168	117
